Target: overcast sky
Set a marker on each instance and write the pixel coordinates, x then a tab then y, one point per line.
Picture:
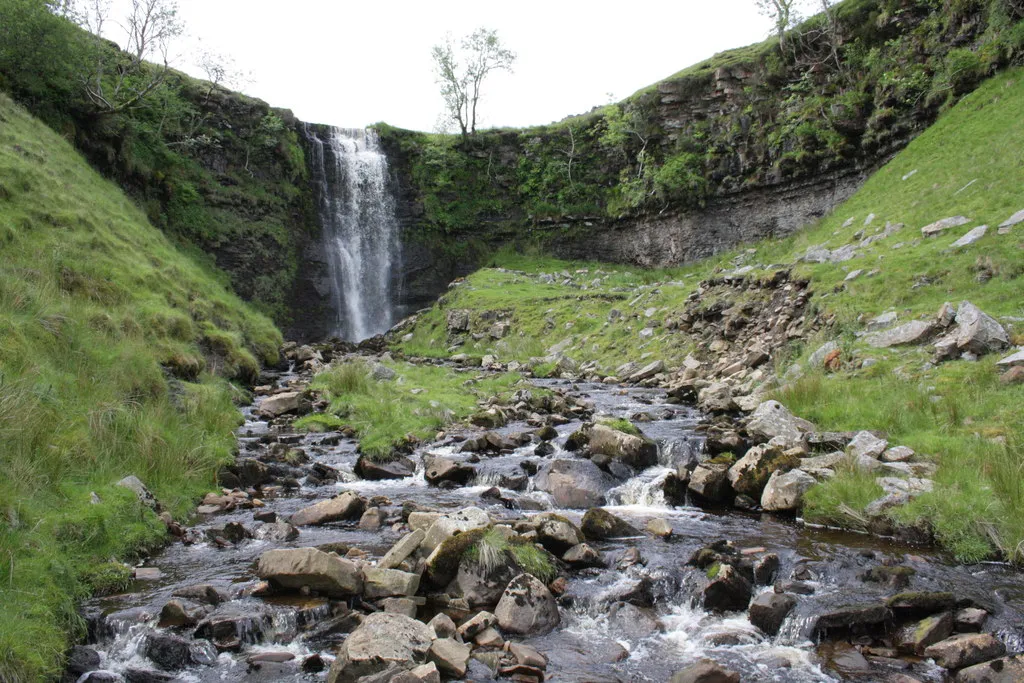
354	63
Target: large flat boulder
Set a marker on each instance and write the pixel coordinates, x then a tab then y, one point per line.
784	491
574	483
636	451
323	572
281	404
384	640
345	506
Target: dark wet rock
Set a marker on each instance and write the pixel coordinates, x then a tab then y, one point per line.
203	592
599	524
632	622
310	568
849	661
265	516
674	487
81	659
897	576
345	506
765	569
382	641
854	618
398	468
442	625
180	612
447	470
483	585
527	607
372	520
769	610
136	675
728	591
914	638
544	449
709	483
450	656
638	452
790	586
966	649
970	620
915	604
706	671
574	483
172	653
101	676
582	556
232	628
628	558
1005	670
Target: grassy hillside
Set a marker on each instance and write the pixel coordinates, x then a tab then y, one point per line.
115	351
970	163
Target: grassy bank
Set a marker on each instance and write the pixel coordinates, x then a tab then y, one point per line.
970	163
115	351
416	403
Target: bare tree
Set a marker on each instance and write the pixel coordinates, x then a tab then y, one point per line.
783	15
115	83
461	73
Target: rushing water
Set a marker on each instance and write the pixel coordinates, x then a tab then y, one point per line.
360	231
592	643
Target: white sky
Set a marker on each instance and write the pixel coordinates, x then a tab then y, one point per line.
352	63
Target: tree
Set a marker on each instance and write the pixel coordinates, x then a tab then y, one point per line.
783	15
461	73
118	81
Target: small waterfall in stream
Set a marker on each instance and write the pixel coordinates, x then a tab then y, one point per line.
360	230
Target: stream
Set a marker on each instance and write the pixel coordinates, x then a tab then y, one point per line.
280	638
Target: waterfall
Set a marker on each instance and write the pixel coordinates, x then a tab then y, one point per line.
360	230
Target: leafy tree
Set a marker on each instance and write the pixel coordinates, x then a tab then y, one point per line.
783	15
461	72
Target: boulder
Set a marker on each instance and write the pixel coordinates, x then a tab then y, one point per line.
970	620
381	642
965	649
771	419
751	472
940	226
977	332
632	622
405	547
858	617
446	526
636	451
574	483
279	532
729	591
1005	670
457	320
386	583
396	468
710	481
281	404
345	506
913	332
440	470
784	492
556	533
135	485
582	556
1012	361
442	625
450	656
648	371
599	524
479	623
659	527
914	638
716	398
308	567
866	443
705	671
481	584
172	653
970	237
768	611
527	607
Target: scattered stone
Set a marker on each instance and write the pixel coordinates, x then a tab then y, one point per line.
918	603
866	444
771	419
312	569
582	556
479	623
939	226
450	656
898	454
527	607
729	591
385	583
914	638
556	533
768	610
1013	220
440	470
913	332
972	236
851	618
659	527
281	404
976	332
446	526
965	649
1012	361
135	485
716	398
970	620
636	451
405	547
398	468
457	320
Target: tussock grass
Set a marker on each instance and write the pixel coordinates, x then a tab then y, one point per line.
417	403
494	549
114	347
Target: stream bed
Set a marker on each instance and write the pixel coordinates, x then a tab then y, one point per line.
280	637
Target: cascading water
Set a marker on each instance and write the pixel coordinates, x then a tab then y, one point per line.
360	230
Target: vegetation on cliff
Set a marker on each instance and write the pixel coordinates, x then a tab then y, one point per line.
115	353
957	413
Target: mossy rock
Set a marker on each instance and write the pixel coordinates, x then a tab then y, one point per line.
443	563
599	524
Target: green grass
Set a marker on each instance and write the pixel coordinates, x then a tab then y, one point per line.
98	311
621	424
417	403
495	549
971	163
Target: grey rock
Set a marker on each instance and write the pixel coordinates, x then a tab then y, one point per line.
972	236
817	358
135	485
308	567
385	583
706	671
768	611
881	322
729	591
914	638
442	625
476	625
574	483
346	505
772	419
913	332
446	526
599	524
276	531
965	649
527	607
939	226
581	556
1004	670
710	481
635	451
405	547
632	622
1013	220
556	533
866	443
716	398
1012	361
281	404
450	656
898	454
784	492
978	332
382	641
457	320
